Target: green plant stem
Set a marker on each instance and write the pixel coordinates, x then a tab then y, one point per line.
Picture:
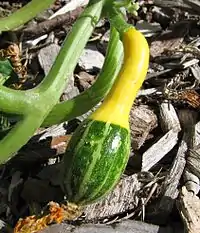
23	15
18	102
18	136
116	18
82	30
12	101
40	100
82	103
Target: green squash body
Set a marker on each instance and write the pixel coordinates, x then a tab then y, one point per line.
99	149
95	158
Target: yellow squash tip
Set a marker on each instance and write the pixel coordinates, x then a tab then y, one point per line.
116	107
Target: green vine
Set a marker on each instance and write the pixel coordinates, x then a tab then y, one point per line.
23	15
40	105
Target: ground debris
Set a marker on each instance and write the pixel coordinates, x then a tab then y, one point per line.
56	214
142	121
123	198
158	150
34	31
189	207
127	226
169	40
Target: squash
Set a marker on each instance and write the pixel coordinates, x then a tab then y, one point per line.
99	149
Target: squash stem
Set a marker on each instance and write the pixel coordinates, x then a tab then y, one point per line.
71	50
82	103
116	18
38	102
23	15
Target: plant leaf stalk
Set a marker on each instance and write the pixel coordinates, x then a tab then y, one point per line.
82	103
24	14
35	104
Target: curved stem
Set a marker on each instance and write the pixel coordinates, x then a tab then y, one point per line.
85	101
72	48
23	15
54	83
18	136
116	18
49	91
35	104
13	101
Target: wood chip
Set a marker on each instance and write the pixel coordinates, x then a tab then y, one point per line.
193	162
146	92
169	187
122	227
189	207
5	228
44	27
191	178
186	5
70	6
195	71
60	143
193	157
148	29
192	182
196	140
169	40
189	63
142	121
123	198
169	118
158	150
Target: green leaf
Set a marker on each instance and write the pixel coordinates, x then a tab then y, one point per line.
6	70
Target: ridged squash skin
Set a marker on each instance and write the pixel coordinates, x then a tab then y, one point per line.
98	151
97	155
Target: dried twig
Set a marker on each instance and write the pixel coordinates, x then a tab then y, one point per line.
47	26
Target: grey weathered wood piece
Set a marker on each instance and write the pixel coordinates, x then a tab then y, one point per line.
171	126
193	5
192	171
123	198
146	92
159	149
192	182
189	208
168	117
193	162
142	121
5	228
170	185
196	71
122	227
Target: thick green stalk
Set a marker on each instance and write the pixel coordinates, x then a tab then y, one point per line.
23	15
12	101
18	136
82	103
18	102
116	18
40	100
72	49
